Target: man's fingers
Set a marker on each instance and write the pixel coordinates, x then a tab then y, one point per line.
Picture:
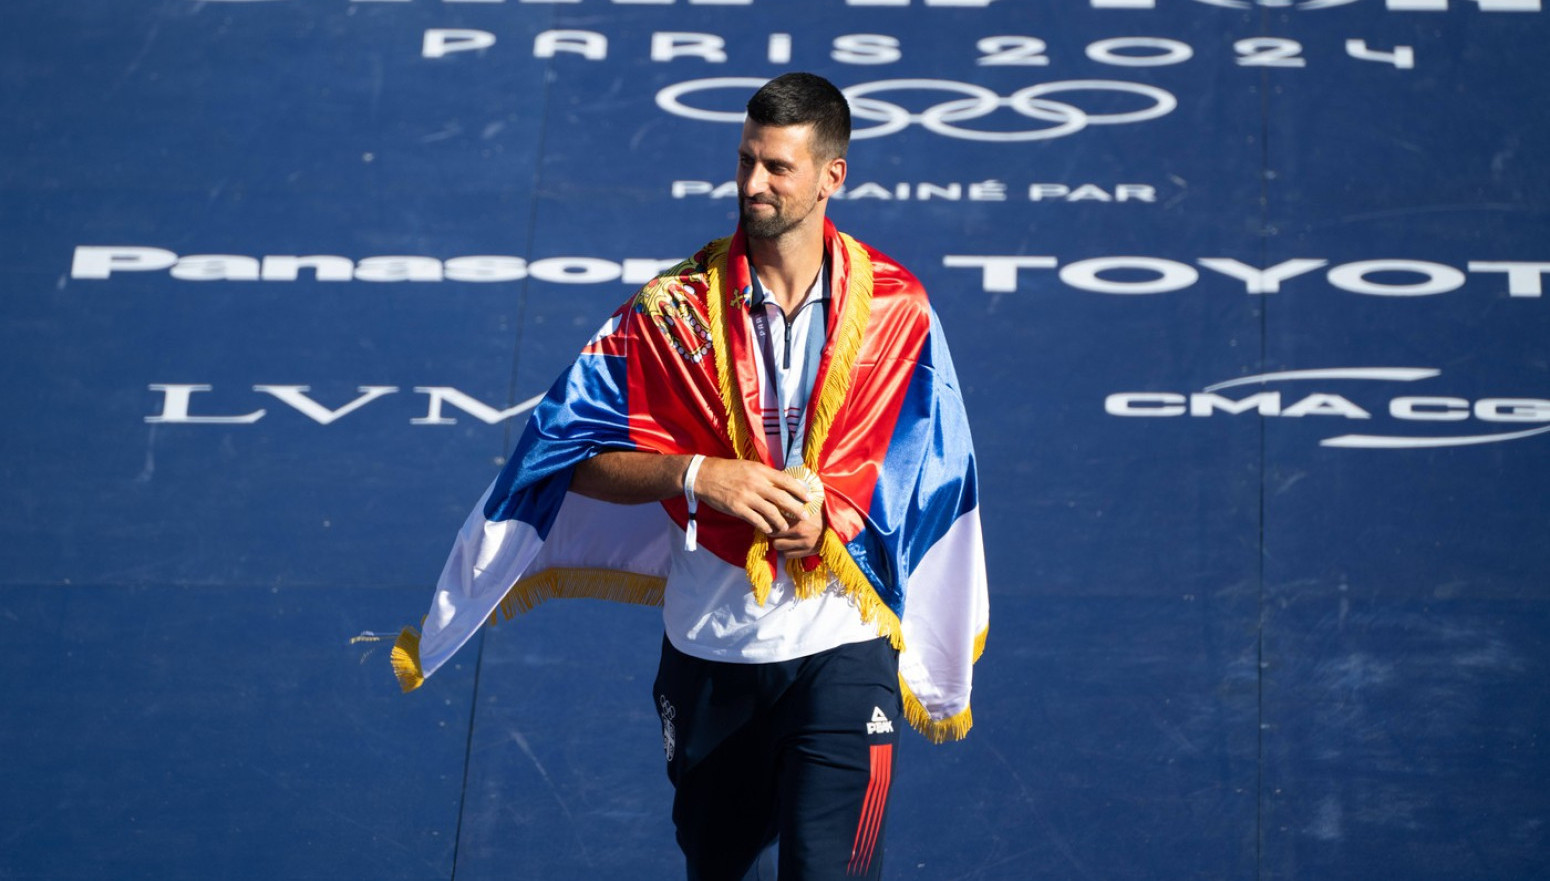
796	543
790	485
764	516
792	511
776	483
768	500
801	539
791	496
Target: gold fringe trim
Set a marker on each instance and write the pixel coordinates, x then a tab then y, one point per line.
836	558
856	588
738	431
848	337
831	399
406	660
847	346
527	594
758	567
578	583
809	582
954	727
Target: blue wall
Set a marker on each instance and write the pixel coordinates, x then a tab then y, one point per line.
1246	299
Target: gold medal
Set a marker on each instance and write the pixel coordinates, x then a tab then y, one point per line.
814	488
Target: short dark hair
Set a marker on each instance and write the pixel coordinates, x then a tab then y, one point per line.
802	99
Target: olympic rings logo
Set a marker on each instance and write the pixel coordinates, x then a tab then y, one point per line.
944	118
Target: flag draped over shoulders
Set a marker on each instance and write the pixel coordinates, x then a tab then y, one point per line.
673	371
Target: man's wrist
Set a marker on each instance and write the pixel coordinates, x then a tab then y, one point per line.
691	474
692	528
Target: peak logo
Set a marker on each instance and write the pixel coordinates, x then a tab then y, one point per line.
1296	403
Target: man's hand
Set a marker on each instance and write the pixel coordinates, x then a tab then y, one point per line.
801	539
768	500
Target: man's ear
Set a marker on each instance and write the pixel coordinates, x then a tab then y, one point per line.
833	177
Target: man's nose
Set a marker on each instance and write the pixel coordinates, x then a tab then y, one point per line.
756	181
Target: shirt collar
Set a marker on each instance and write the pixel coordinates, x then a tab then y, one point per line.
818	293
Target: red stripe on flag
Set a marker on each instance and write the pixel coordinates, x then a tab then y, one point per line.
871	822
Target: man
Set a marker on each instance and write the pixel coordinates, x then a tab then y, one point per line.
769	441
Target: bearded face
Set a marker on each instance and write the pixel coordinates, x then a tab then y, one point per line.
779	183
769	216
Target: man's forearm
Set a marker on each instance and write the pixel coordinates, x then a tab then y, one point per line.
768	500
627	477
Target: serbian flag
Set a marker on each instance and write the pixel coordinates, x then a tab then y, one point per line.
673	371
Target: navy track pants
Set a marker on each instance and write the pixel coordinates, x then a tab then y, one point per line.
800	752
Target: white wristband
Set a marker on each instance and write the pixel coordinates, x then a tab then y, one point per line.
691	531
690	474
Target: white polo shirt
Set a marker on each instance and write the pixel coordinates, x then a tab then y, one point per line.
709	610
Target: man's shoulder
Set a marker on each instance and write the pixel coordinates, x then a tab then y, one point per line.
891	279
883	265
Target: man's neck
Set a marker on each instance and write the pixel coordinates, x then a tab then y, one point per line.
787	266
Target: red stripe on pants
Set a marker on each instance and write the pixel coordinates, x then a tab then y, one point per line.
871	822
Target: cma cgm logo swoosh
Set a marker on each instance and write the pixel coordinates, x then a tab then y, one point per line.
1295	402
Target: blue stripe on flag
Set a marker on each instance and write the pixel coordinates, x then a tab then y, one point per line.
930	449
585	412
